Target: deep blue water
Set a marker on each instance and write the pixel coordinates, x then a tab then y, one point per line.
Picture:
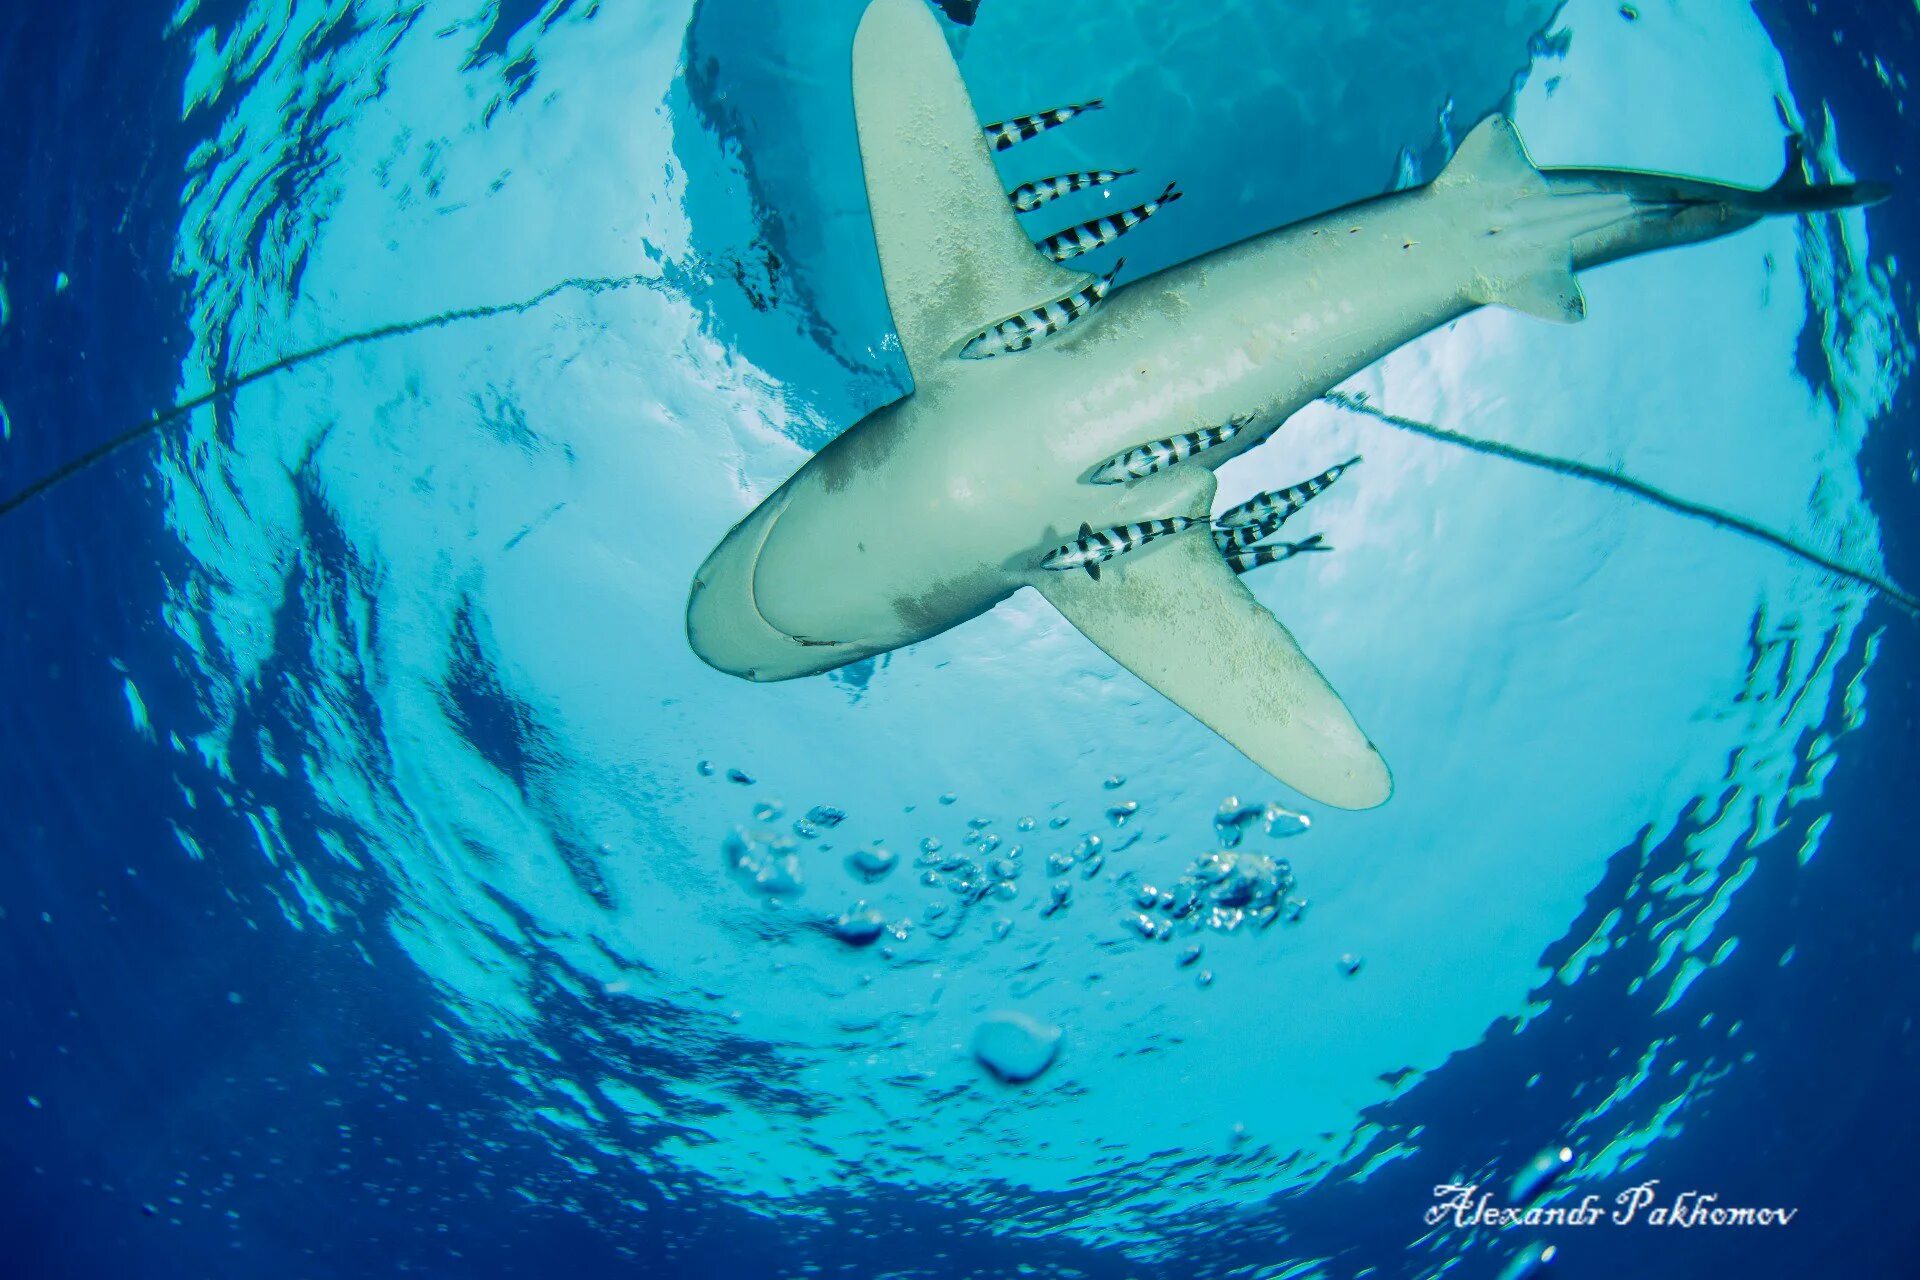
199	1080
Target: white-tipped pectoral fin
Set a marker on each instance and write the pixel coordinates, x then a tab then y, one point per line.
1175	615
952	252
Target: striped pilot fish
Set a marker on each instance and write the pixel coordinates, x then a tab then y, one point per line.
1245	535
1275	505
1091	549
1017	333
1002	134
1029	196
1143	460
1241	559
1101	232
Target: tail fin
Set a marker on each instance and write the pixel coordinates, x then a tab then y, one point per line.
1312	544
1171	194
1794	194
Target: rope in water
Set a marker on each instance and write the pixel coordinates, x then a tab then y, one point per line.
605	284
132	435
1635	489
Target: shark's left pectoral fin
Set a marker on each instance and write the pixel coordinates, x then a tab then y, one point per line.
1175	615
952	252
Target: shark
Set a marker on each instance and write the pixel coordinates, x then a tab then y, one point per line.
937	507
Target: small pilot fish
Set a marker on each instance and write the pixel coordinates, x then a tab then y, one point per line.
1241	559
1245	535
1091	549
1263	506
1017	333
1102	232
1029	196
1004	133
1143	460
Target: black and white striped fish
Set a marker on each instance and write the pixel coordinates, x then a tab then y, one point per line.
1101	232
1002	134
1143	460
1244	558
1248	534
1029	196
1017	333
1245	535
1093	548
1262	508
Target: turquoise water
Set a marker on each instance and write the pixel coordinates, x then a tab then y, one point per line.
427	711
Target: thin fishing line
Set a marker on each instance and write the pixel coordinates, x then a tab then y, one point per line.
573	284
607	284
1632	488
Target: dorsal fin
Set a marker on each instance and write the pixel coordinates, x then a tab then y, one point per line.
952	252
1086	530
1493	154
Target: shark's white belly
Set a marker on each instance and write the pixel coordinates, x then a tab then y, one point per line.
935	508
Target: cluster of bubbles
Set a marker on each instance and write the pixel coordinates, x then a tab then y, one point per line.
1228	889
1231	888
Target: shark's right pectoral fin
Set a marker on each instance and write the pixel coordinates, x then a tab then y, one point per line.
1175	615
953	255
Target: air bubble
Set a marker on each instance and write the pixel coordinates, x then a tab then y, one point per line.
875	862
858	926
764	862
1230	823
1282	822
1015	1047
